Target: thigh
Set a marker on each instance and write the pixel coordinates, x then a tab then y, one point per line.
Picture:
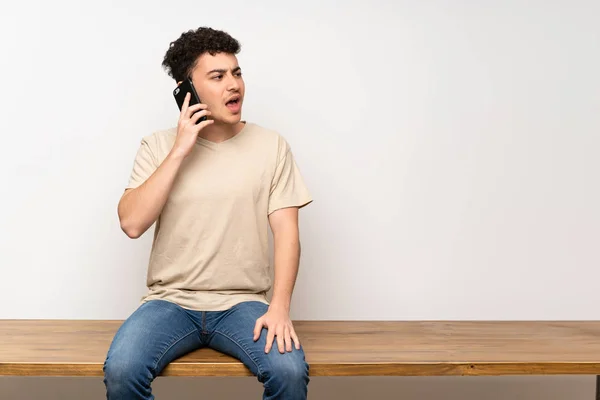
157	333
233	334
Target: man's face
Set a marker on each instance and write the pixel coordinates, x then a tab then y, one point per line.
219	84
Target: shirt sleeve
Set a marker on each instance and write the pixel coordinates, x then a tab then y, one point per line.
288	188
144	165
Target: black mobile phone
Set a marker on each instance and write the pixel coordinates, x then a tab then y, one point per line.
184	88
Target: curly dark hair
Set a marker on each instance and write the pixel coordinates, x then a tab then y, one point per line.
180	59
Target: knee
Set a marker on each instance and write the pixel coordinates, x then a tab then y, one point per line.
125	376
287	374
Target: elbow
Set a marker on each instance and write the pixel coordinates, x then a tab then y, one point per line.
130	230
133	234
127	225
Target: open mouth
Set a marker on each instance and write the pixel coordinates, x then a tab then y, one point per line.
234	105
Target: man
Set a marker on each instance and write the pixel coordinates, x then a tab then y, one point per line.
213	189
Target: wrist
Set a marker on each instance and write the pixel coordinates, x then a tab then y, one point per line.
176	155
280	306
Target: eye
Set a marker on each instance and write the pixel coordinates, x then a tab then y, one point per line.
239	73
218	77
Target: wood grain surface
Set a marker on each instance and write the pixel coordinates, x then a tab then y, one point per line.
333	348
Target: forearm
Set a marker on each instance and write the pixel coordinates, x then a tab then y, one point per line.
140	207
286	258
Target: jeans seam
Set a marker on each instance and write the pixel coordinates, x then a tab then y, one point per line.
169	348
260	374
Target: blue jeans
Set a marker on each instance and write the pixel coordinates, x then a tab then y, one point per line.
160	331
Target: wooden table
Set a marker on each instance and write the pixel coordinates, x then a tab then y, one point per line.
333	348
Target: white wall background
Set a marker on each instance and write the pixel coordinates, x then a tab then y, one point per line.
451	148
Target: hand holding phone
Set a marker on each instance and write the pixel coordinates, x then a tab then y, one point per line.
192	119
182	90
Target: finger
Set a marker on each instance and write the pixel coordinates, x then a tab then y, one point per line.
296	340
281	340
270	337
288	340
202	124
193	108
257	328
199	115
197	106
186	102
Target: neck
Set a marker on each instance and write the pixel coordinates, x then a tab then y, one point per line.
220	131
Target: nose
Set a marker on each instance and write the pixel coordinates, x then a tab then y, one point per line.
232	83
